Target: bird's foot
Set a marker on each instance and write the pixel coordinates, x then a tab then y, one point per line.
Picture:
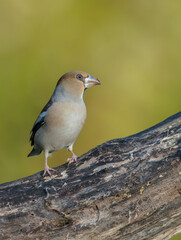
47	169
72	159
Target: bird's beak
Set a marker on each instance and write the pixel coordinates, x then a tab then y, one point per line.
91	81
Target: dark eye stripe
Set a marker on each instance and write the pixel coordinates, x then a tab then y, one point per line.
79	76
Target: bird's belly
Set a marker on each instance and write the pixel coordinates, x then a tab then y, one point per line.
63	137
62	129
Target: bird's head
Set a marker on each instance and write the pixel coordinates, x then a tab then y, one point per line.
76	82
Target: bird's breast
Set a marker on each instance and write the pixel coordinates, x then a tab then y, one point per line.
66	114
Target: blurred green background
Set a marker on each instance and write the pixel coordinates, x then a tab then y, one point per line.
133	47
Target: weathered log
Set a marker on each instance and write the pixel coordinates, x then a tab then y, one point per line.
126	189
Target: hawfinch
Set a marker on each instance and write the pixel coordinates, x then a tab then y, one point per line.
62	118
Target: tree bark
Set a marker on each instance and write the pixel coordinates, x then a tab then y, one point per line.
126	189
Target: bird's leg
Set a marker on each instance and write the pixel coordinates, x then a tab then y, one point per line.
74	157
47	169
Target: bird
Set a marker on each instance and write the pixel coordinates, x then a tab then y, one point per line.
62	118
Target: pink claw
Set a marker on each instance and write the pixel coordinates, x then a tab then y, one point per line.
72	159
47	169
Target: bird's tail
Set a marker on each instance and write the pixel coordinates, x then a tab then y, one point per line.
34	152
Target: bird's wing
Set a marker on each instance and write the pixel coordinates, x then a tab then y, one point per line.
40	121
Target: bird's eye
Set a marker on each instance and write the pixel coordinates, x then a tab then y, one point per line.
79	76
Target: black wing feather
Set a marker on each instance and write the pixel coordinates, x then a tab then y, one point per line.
46	107
35	129
39	122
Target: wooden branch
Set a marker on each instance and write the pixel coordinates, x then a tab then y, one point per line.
126	189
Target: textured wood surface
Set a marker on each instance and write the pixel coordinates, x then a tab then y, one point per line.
124	189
